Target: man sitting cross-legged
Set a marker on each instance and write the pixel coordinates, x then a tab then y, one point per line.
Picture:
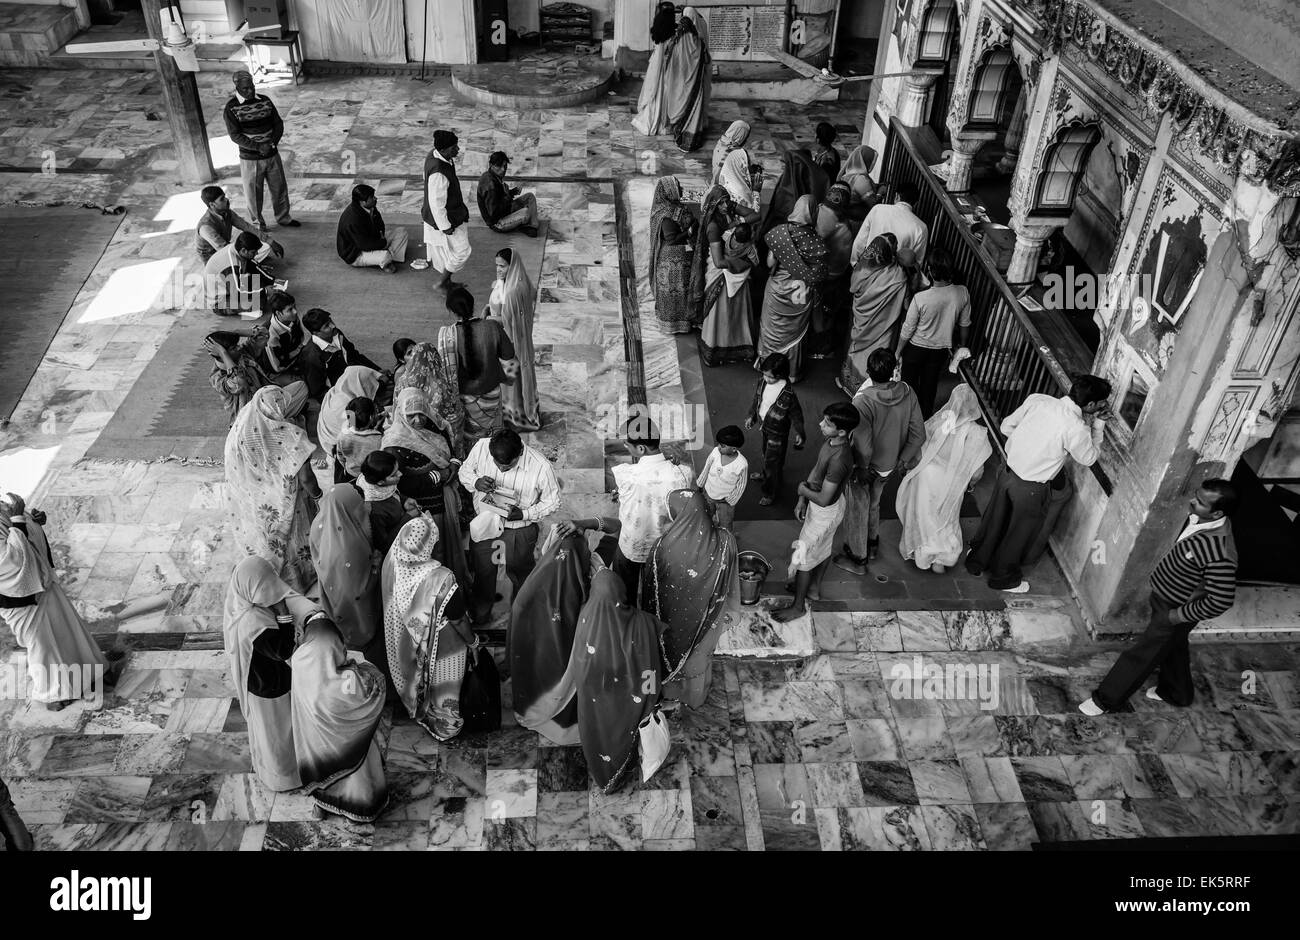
328	354
505	208
218	224
362	241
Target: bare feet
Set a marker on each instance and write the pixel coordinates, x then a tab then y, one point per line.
814	594
938	568
786	614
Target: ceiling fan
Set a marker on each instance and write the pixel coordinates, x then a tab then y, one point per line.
177	43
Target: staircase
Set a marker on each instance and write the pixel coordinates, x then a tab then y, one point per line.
31	33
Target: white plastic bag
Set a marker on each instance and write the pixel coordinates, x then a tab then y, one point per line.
655	742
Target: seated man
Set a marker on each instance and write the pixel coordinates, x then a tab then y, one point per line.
235	374
234	281
218	224
362	241
328	354
503	207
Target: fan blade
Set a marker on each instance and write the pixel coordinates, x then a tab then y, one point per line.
124	45
186	59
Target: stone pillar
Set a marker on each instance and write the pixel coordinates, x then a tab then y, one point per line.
964	149
1030	236
911	103
1015	135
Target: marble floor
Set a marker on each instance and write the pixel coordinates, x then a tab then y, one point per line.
829	749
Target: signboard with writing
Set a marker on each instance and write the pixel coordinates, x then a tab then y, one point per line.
745	33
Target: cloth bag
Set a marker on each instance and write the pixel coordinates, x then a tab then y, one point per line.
655	742
480	696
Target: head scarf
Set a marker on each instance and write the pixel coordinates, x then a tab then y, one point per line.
427	370
355	382
21	571
263	454
715	209
692	15
520	400
796	245
254	586
337	706
665	23
691	579
615	667
800	176
340	550
731	139
955	443
667	205
859	164
430	442
735	178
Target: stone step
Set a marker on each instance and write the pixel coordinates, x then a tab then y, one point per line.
31	33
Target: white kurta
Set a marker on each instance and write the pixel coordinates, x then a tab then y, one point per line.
447	253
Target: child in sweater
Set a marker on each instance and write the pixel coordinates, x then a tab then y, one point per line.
362	435
776	410
725	473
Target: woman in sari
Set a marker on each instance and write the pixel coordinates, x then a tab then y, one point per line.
830	312
355	382
731	141
671	230
687	80
270	486
879	289
341	548
800	177
857	176
425	631
337	705
484	360
61	654
797	258
260	617
726	335
929	498
427	369
649	107
513	301
736	179
691	582
543	620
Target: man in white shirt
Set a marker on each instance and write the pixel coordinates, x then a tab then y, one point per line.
1041	434
897	218
445	213
501	471
643	488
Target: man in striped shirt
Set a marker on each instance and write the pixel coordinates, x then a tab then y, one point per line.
503	471
1196	580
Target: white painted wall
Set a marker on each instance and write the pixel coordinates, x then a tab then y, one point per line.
449	39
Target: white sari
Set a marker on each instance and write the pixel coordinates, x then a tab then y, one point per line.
930	497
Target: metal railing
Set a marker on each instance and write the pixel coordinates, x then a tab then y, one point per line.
1010	360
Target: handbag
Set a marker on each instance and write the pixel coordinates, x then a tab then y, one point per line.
655	742
480	695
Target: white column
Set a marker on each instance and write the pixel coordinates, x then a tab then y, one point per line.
911	103
1029	244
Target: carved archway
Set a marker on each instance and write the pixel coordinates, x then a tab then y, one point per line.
1064	162
936	32
994	91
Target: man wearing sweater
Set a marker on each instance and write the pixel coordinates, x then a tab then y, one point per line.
362	241
446	217
887	440
254	124
1196	580
505	208
1041	435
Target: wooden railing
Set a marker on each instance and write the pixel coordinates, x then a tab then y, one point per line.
1010	360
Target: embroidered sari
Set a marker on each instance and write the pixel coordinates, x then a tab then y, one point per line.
427	369
687	81
269	511
789	295
340	549
337	706
670	256
691	582
426	656
879	289
735	179
514	305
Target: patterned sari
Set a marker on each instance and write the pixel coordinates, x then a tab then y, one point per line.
355	382
670	269
427	369
726	335
790	293
715	212
879	290
337	706
691	582
426	656
269	512
515	308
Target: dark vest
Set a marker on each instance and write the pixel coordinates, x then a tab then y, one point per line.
221	222
457	212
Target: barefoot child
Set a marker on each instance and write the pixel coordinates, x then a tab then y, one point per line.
821	507
362	434
725	474
776	409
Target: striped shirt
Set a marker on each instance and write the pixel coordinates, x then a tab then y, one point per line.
532	477
1199	574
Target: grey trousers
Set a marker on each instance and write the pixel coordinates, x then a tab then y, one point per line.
269	171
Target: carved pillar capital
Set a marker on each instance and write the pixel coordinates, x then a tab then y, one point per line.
964	148
1031	232
916	89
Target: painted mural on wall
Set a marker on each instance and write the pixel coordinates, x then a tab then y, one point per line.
1169	268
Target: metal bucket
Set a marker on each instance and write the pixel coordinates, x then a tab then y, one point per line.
754	569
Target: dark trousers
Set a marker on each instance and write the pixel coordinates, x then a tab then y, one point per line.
1008	529
1163	647
519	545
629	572
922	368
16	836
774	449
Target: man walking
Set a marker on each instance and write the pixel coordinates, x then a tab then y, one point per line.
505	208
505	474
254	124
1196	580
898	219
935	317
445	213
887	440
1040	435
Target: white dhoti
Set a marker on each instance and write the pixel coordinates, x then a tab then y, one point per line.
816	540
447	253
